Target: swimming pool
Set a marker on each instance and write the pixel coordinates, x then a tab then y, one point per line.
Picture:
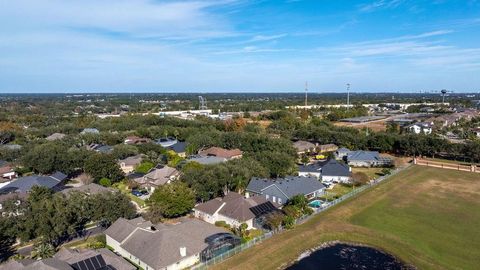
315	203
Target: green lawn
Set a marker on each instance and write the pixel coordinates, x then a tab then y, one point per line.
337	191
372	173
125	190
427	217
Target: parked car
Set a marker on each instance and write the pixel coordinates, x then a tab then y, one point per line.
139	193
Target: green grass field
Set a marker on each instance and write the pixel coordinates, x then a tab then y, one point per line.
427	217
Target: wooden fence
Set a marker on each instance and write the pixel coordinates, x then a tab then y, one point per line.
447	165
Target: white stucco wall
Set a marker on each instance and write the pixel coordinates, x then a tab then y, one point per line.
306	174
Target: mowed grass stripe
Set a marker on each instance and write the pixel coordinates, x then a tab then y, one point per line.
428	217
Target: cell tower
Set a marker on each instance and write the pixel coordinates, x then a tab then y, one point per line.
348	96
306	94
203	103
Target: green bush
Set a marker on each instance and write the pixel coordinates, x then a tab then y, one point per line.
288	222
222	224
144	167
105	182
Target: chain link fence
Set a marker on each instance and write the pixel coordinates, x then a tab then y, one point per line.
301	220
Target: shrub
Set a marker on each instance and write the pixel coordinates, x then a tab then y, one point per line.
105	182
288	222
222	224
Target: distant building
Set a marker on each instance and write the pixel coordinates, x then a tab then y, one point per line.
166	142
89	189
55	136
221	153
100	148
179	148
282	189
171	246
90	131
7	170
303	147
421	127
132	140
326	148
233	209
208	160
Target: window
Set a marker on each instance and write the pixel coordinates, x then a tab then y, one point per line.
279	201
266	196
273	199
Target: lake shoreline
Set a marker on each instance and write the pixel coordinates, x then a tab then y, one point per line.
330	244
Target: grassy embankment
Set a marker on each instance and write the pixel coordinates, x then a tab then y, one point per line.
427	217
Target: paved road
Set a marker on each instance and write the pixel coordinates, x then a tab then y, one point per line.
25	251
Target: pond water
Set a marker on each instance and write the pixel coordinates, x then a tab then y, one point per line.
345	256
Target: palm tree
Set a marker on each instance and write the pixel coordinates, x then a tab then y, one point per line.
44	250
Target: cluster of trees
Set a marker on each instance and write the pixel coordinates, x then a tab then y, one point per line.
170	201
214	180
55	218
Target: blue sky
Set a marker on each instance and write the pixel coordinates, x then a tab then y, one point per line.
238	45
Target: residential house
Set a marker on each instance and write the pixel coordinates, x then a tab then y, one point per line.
89	189
25	184
100	148
169	246
221	153
328	171
326	148
132	140
282	189
7	170
208	160
421	127
129	164
476	131
55	136
342	153
166	142
158	176
234	209
67	259
367	159
304	147
90	131
179	148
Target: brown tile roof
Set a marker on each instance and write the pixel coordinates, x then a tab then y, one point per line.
302	146
221	152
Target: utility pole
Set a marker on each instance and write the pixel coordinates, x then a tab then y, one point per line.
348	96
306	94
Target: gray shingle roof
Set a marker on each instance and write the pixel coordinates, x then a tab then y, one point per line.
179	147
363	156
208	160
161	247
290	185
91	188
24	184
330	167
233	205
